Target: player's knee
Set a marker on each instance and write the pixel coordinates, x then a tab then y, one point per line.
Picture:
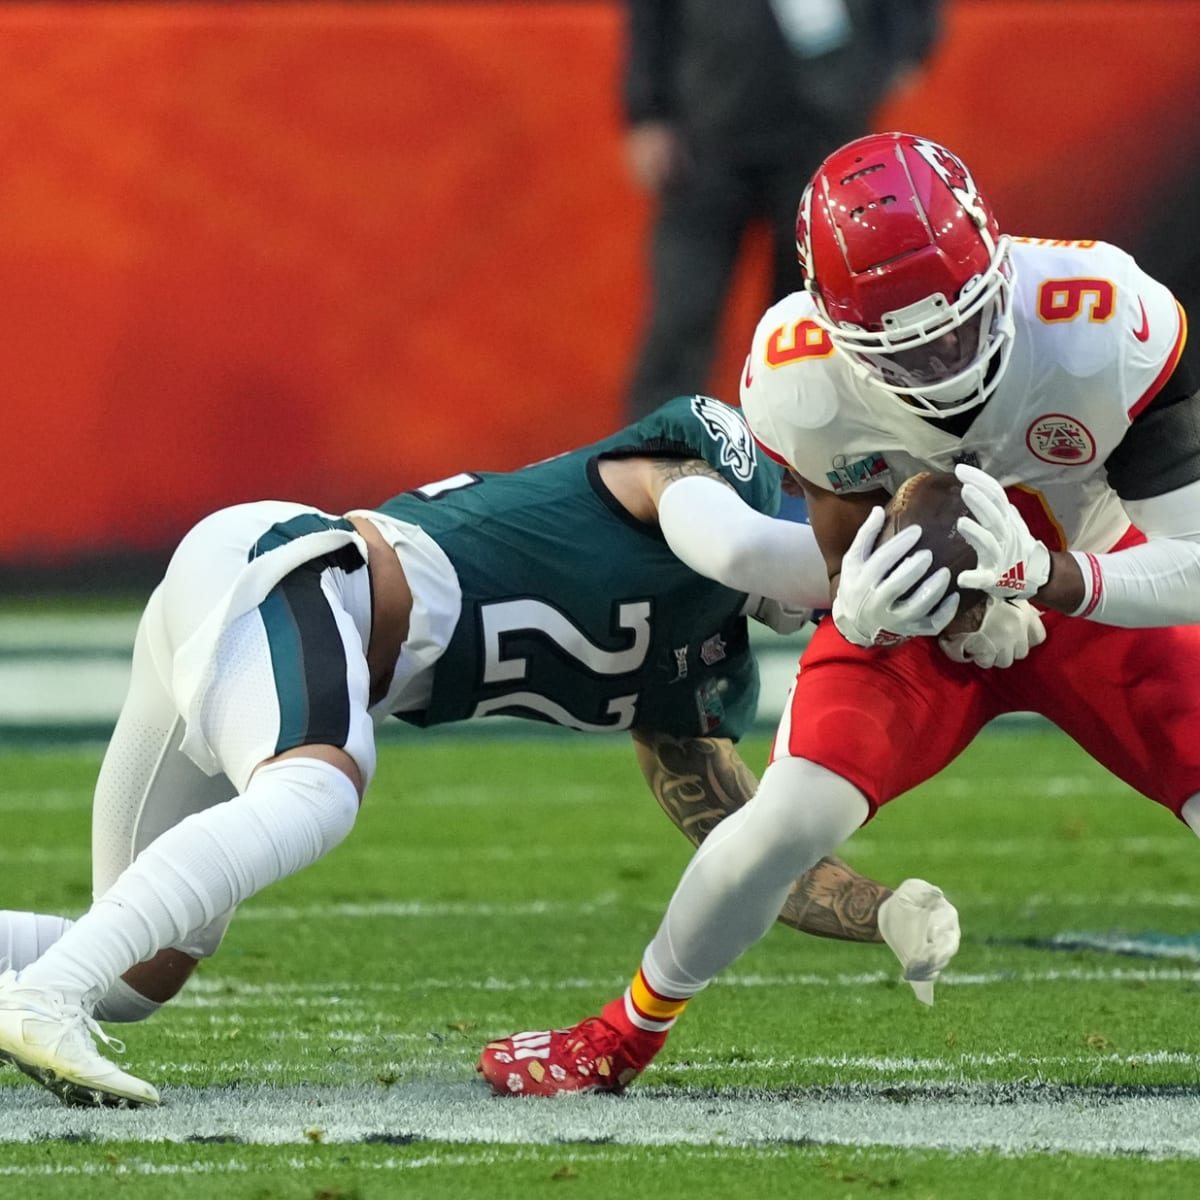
809	809
327	794
800	813
333	756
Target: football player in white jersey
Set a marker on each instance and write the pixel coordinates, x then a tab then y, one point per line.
1050	376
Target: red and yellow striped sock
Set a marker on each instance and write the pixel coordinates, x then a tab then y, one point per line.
648	1009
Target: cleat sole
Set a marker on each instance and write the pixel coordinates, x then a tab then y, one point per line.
72	1093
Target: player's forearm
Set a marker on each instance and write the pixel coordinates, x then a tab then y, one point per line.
1151	585
1064	590
709	527
1154	584
696	781
699	781
832	900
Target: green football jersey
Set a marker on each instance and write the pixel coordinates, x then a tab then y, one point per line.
576	613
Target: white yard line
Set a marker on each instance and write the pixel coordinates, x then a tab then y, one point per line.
232	994
1011	1119
1111	902
919	1072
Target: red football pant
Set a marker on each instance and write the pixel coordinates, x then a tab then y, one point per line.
889	719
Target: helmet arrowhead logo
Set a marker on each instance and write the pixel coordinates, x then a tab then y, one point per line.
952	171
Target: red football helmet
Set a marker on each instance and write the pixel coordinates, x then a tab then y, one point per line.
910	275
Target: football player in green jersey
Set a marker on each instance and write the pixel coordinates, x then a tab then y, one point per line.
605	589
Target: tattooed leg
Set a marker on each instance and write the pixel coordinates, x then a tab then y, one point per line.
698	781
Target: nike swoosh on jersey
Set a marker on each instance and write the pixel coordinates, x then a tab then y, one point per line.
746	377
1142	334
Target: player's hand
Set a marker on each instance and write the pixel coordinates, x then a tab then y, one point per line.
921	927
777	615
1009	630
1012	562
886	596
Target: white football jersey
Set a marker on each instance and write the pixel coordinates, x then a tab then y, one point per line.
1096	338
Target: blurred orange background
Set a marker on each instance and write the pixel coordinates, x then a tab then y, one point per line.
330	251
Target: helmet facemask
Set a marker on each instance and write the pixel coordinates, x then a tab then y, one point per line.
936	357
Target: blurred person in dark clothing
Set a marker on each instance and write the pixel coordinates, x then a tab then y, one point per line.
730	105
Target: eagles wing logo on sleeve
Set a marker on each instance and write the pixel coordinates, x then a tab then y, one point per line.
727	427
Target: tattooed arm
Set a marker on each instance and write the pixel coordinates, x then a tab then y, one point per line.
639	481
698	781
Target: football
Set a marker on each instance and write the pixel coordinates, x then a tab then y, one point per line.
933	500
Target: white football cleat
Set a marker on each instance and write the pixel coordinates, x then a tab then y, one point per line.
51	1041
921	927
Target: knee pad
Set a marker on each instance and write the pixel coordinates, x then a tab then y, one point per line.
327	794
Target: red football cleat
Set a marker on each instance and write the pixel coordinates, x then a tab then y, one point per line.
591	1057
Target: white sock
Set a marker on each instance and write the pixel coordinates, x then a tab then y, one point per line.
294	811
26	936
738	879
123	1003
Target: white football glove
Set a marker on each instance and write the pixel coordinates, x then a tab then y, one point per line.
872	607
1009	630
921	927
1011	561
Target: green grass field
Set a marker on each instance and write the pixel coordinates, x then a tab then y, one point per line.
492	884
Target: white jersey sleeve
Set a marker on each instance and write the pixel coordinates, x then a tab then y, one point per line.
795	386
1090	312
